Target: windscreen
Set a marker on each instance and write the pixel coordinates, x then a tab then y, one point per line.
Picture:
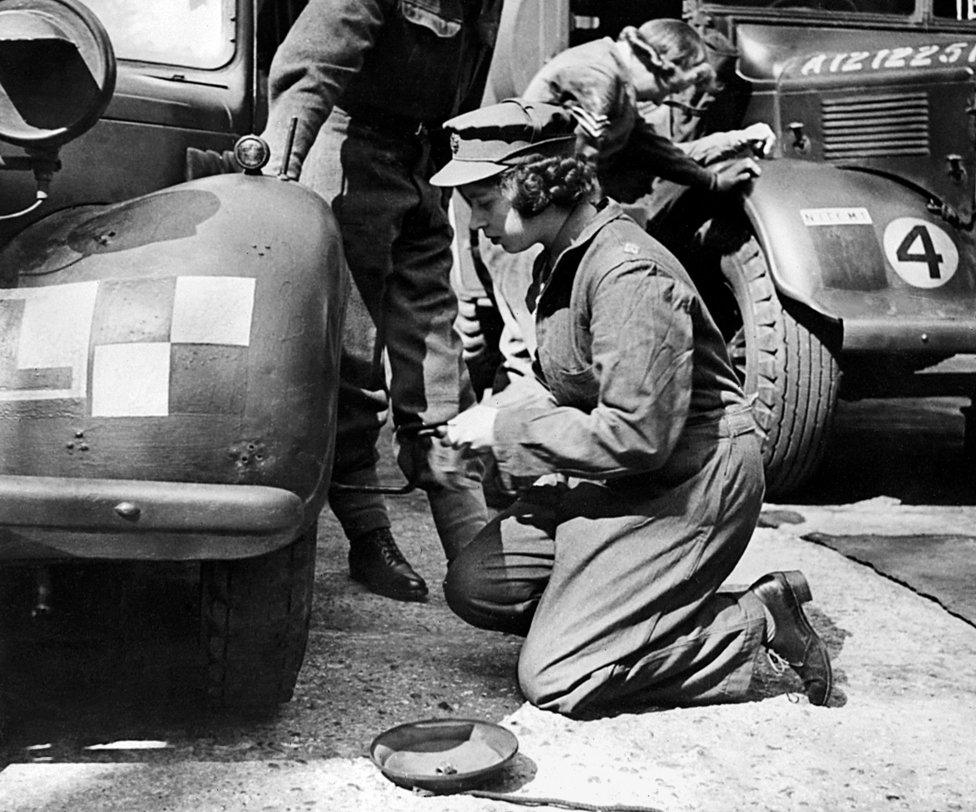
190	33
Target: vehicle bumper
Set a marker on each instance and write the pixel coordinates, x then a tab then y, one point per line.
909	335
59	517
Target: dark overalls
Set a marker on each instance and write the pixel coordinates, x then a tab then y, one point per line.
613	577
370	82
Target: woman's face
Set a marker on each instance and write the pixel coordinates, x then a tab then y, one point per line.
648	86
492	213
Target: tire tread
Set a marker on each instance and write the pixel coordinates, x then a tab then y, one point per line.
794	374
255	617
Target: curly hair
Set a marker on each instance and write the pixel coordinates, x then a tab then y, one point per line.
667	47
542	181
674	40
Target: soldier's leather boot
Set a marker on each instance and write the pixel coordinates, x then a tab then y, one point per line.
376	561
794	639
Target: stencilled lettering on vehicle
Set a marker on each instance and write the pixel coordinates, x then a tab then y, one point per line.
836	216
900	57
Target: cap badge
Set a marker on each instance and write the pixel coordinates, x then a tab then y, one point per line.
455	143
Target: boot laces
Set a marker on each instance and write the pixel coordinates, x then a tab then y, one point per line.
389	550
780	664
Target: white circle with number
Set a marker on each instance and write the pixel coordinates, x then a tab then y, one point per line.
921	253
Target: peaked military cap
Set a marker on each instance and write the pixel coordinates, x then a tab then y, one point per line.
488	141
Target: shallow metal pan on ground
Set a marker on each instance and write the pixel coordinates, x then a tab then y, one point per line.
443	755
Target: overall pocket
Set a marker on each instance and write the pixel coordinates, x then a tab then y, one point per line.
579	388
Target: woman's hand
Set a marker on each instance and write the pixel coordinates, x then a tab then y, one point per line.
473	429
759	137
736	174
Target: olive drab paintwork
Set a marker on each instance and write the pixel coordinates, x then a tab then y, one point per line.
169	335
830	83
847	199
850	268
190	335
881	111
168	351
832	240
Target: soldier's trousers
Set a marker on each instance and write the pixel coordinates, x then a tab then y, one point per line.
399	350
617	588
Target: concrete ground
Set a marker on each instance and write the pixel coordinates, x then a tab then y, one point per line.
897	735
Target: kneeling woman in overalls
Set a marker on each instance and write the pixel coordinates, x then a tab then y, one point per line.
612	574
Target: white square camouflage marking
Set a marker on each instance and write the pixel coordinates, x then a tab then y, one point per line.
213	310
54	332
131	380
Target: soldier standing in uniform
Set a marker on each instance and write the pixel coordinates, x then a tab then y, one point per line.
369	83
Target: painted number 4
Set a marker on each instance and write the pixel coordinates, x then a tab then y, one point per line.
920	235
920	252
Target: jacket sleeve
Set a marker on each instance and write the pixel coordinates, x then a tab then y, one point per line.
667	160
323	50
711	148
642	351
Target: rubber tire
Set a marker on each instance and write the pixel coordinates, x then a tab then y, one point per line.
793	374
255	616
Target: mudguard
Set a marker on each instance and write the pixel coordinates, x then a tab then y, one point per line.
191	335
863	251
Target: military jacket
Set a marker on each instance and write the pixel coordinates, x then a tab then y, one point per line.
420	61
594	76
628	353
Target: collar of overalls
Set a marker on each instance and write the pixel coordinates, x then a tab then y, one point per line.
607	211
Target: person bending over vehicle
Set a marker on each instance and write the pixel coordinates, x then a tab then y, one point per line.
605	82
613	576
692	119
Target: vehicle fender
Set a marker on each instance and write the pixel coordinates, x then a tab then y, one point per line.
863	250
189	335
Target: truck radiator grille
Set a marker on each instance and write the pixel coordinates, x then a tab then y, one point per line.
874	126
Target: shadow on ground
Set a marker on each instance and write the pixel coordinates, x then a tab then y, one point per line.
117	661
938	567
910	450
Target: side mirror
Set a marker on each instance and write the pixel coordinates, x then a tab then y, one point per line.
57	75
57	72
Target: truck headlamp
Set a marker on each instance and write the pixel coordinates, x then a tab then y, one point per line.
252	153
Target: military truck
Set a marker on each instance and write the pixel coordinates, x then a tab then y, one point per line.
168	342
849	270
